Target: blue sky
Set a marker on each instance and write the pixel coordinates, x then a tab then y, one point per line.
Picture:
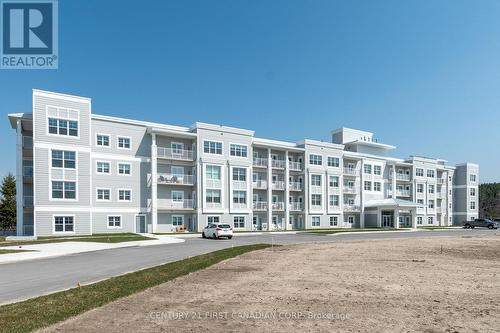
423	75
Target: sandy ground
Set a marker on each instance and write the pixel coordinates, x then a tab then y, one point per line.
386	285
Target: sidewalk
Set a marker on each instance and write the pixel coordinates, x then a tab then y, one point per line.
50	250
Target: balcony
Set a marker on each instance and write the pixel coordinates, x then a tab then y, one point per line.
278	164
350	190
295	166
28	201
403	193
278	206
260	205
239	185
295	186
296	206
401	177
439	210
175	154
170	204
169	179
441	181
260	162
351	208
278	185
27	142
351	172
260	184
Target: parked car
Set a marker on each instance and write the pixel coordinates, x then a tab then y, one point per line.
485	223
217	230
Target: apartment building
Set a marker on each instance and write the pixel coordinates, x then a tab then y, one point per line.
83	173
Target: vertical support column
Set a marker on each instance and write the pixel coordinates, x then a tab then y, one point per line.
154	183
379	218
19	180
396	217
414	218
361	197
307	195
393	181
287	192
269	189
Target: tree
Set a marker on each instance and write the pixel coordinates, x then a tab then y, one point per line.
489	200
8	203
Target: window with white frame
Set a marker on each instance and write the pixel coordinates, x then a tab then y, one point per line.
334	200
63	159
123	142
213	219
334	181
177	171
103	167
377	186
419	172
377	170
472	192
176	148
368	186
102	140
63	126
334	221
420	201
315	221
239	197
349	201
315	159
316	199
350	219
472	205
213	196
333	162
430	173
124	195
114	221
212	172
367	169
240	174
420	220
124	169
177	196
103	194
316	180
63	190
177	220
430	204
420	188
430	188
238	150
472	177
430	220
64	224
239	222
212	147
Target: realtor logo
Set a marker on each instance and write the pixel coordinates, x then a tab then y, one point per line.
29	34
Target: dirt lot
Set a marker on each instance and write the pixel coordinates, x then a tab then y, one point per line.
386	285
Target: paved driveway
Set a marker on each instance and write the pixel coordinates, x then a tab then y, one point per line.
23	280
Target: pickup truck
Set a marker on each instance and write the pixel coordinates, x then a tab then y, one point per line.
485	223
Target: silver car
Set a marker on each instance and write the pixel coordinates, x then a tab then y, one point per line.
217	230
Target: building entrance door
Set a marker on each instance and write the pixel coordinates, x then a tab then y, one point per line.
140	221
387	220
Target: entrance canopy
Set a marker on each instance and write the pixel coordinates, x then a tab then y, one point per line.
392	203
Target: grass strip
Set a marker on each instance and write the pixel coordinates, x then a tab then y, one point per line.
39	312
98	238
12	251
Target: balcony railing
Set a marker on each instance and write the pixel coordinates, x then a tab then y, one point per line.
278	164
176	204
213	205
401	176
351	208
295	166
238	205
296	206
239	185
278	206
260	184
350	190
169	179
28	201
441	181
439	210
213	183
295	186
403	193
175	154
260	205
260	162
351	171
278	185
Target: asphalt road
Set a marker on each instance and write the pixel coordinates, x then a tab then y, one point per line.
27	279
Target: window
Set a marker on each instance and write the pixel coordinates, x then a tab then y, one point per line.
63	127
177	196
334	181
239	197
213	219
472	205
472	192
213	172
124	169
213	196
420	188
212	147
333	162
430	173
102	140
177	171
63	159
334	221
240	174
430	220
239	222
377	170
177	220
350	219
316	199
63	190
102	167
64	223
420	201
367	168
103	194
315	221
114	221
472	177
315	159
124	195
334	200
316	180
419	172
377	186
368	186
430	204
430	189
177	148
123	142
238	150
420	220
